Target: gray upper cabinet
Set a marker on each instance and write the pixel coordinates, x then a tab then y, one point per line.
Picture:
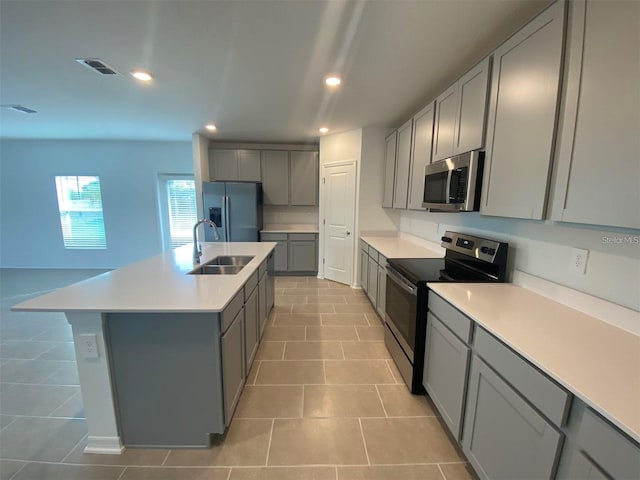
522	118
598	162
304	178
472	108
275	177
225	164
445	123
403	163
420	155
389	170
249	165
504	437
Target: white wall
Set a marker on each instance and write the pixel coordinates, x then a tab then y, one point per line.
544	249
30	233
276	214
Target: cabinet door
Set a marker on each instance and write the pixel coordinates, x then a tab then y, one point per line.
232	346
472	108
446	365
372	273
364	270
304	178
270	282
382	290
420	155
581	468
389	170
262	303
302	256
251	329
275	177
599	162
503	436
403	163
281	260
225	164
445	123
249	165
522	118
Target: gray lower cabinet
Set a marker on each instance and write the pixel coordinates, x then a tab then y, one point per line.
504	437
302	256
270	282
262	303
233	361
372	282
382	285
281	255
251	328
446	365
582	468
295	252
364	267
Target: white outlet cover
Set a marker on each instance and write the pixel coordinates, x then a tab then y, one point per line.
88	345
579	258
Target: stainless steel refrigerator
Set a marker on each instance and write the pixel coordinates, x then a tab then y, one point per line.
235	208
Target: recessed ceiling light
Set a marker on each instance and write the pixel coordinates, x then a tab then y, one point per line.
332	81
323	129
142	75
211	127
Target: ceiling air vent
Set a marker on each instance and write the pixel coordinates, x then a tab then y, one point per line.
97	66
18	108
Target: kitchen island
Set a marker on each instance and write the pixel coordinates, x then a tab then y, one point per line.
162	354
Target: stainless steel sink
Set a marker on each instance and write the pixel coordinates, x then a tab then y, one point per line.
241	260
223	265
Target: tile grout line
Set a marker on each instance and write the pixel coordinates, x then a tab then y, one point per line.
344	357
380	398
124	470
364	441
229	474
266	460
166	457
65	402
324	371
15	475
302	406
74	447
395	380
441	472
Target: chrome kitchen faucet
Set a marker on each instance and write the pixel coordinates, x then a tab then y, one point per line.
197	248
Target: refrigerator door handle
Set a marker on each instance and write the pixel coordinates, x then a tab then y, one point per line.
227	230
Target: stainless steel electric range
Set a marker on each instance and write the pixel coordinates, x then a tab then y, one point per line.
467	259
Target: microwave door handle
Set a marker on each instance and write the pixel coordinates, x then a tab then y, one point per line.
448	187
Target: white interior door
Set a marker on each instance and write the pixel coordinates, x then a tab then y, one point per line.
339	214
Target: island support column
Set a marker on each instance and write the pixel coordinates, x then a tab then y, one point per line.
95	384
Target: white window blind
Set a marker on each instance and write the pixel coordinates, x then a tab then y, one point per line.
181	199
81	218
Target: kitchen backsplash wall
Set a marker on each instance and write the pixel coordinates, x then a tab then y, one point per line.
288	215
544	249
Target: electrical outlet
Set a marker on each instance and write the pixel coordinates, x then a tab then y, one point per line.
579	259
88	344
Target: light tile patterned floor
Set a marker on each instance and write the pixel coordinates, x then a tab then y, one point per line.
323	401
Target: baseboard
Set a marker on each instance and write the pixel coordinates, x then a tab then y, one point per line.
104	445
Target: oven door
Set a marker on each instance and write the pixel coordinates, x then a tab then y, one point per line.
402	310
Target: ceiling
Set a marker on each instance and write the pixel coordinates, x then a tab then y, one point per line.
254	68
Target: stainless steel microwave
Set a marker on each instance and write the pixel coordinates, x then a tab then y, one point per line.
453	185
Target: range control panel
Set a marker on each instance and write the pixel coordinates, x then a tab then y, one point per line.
478	247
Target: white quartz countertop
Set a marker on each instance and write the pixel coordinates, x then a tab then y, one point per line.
397	247
157	284
290	228
596	361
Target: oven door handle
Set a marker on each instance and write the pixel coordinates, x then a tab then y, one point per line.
401	282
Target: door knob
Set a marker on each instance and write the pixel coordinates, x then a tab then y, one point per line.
348	233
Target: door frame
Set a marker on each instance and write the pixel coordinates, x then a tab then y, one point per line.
354	232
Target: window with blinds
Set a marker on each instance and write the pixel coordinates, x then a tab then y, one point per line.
181	209
80	206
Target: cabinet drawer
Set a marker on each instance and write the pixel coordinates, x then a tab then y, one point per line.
250	285
617	455
373	253
457	322
542	392
262	269
273	237
232	309
302	236
382	260
364	246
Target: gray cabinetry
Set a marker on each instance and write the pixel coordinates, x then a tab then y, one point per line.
471	109
275	177
262	303
364	266
582	468
270	282
598	162
420	155
248	165
280	256
303	253
445	372
403	161
233	372
304	178
504	437
382	285
251	327
225	165
234	165
372	282
445	123
522	118
389	170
